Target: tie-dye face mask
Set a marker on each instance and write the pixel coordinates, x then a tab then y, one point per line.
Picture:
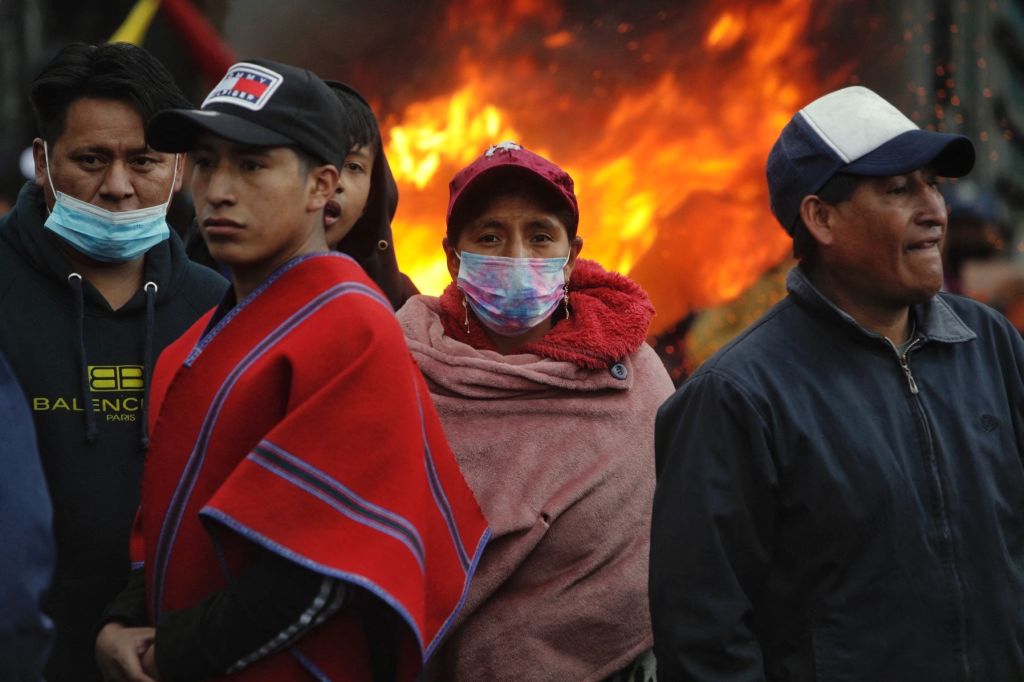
511	295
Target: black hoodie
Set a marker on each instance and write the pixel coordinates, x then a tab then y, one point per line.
369	241
83	367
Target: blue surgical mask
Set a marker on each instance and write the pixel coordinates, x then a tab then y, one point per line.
510	296
108	236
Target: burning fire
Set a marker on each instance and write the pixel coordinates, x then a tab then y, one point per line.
669	175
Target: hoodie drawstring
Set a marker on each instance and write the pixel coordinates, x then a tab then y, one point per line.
75	280
147	358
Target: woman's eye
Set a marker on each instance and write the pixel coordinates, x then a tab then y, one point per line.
354	167
488	239
251	165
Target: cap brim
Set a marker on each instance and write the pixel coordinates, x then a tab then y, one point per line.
177	130
949	155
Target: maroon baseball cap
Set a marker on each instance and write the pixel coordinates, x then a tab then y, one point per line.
506	156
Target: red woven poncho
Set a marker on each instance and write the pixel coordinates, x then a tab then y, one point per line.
299	423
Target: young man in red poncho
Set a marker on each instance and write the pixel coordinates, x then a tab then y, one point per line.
302	516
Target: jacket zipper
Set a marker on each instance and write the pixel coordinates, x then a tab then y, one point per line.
905	365
941	513
906	369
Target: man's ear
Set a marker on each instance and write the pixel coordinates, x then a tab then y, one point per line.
819	218
322	182
179	174
39	159
451	258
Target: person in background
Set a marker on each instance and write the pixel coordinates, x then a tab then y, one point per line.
839	488
538	365
26	535
302	516
93	285
367	198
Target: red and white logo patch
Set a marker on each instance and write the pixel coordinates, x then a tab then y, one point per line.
246	85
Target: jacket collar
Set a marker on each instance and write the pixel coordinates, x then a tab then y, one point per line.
936	320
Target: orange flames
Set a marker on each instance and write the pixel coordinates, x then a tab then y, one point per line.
669	175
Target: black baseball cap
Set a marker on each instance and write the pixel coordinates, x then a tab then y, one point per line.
263	104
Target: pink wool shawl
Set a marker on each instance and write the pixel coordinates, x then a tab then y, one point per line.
561	459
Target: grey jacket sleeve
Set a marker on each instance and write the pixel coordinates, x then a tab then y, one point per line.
711	532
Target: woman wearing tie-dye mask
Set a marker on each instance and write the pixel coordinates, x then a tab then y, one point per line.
537	364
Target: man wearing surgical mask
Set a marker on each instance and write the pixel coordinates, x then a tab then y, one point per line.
93	285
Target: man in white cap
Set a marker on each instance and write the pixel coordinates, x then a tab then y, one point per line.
840	488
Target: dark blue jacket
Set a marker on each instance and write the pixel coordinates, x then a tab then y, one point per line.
824	513
26	538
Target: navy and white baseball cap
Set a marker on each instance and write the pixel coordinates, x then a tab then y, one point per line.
853	131
263	104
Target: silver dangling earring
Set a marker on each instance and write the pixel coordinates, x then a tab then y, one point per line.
565	300
465	307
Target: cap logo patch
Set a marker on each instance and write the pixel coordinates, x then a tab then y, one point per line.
507	146
246	85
